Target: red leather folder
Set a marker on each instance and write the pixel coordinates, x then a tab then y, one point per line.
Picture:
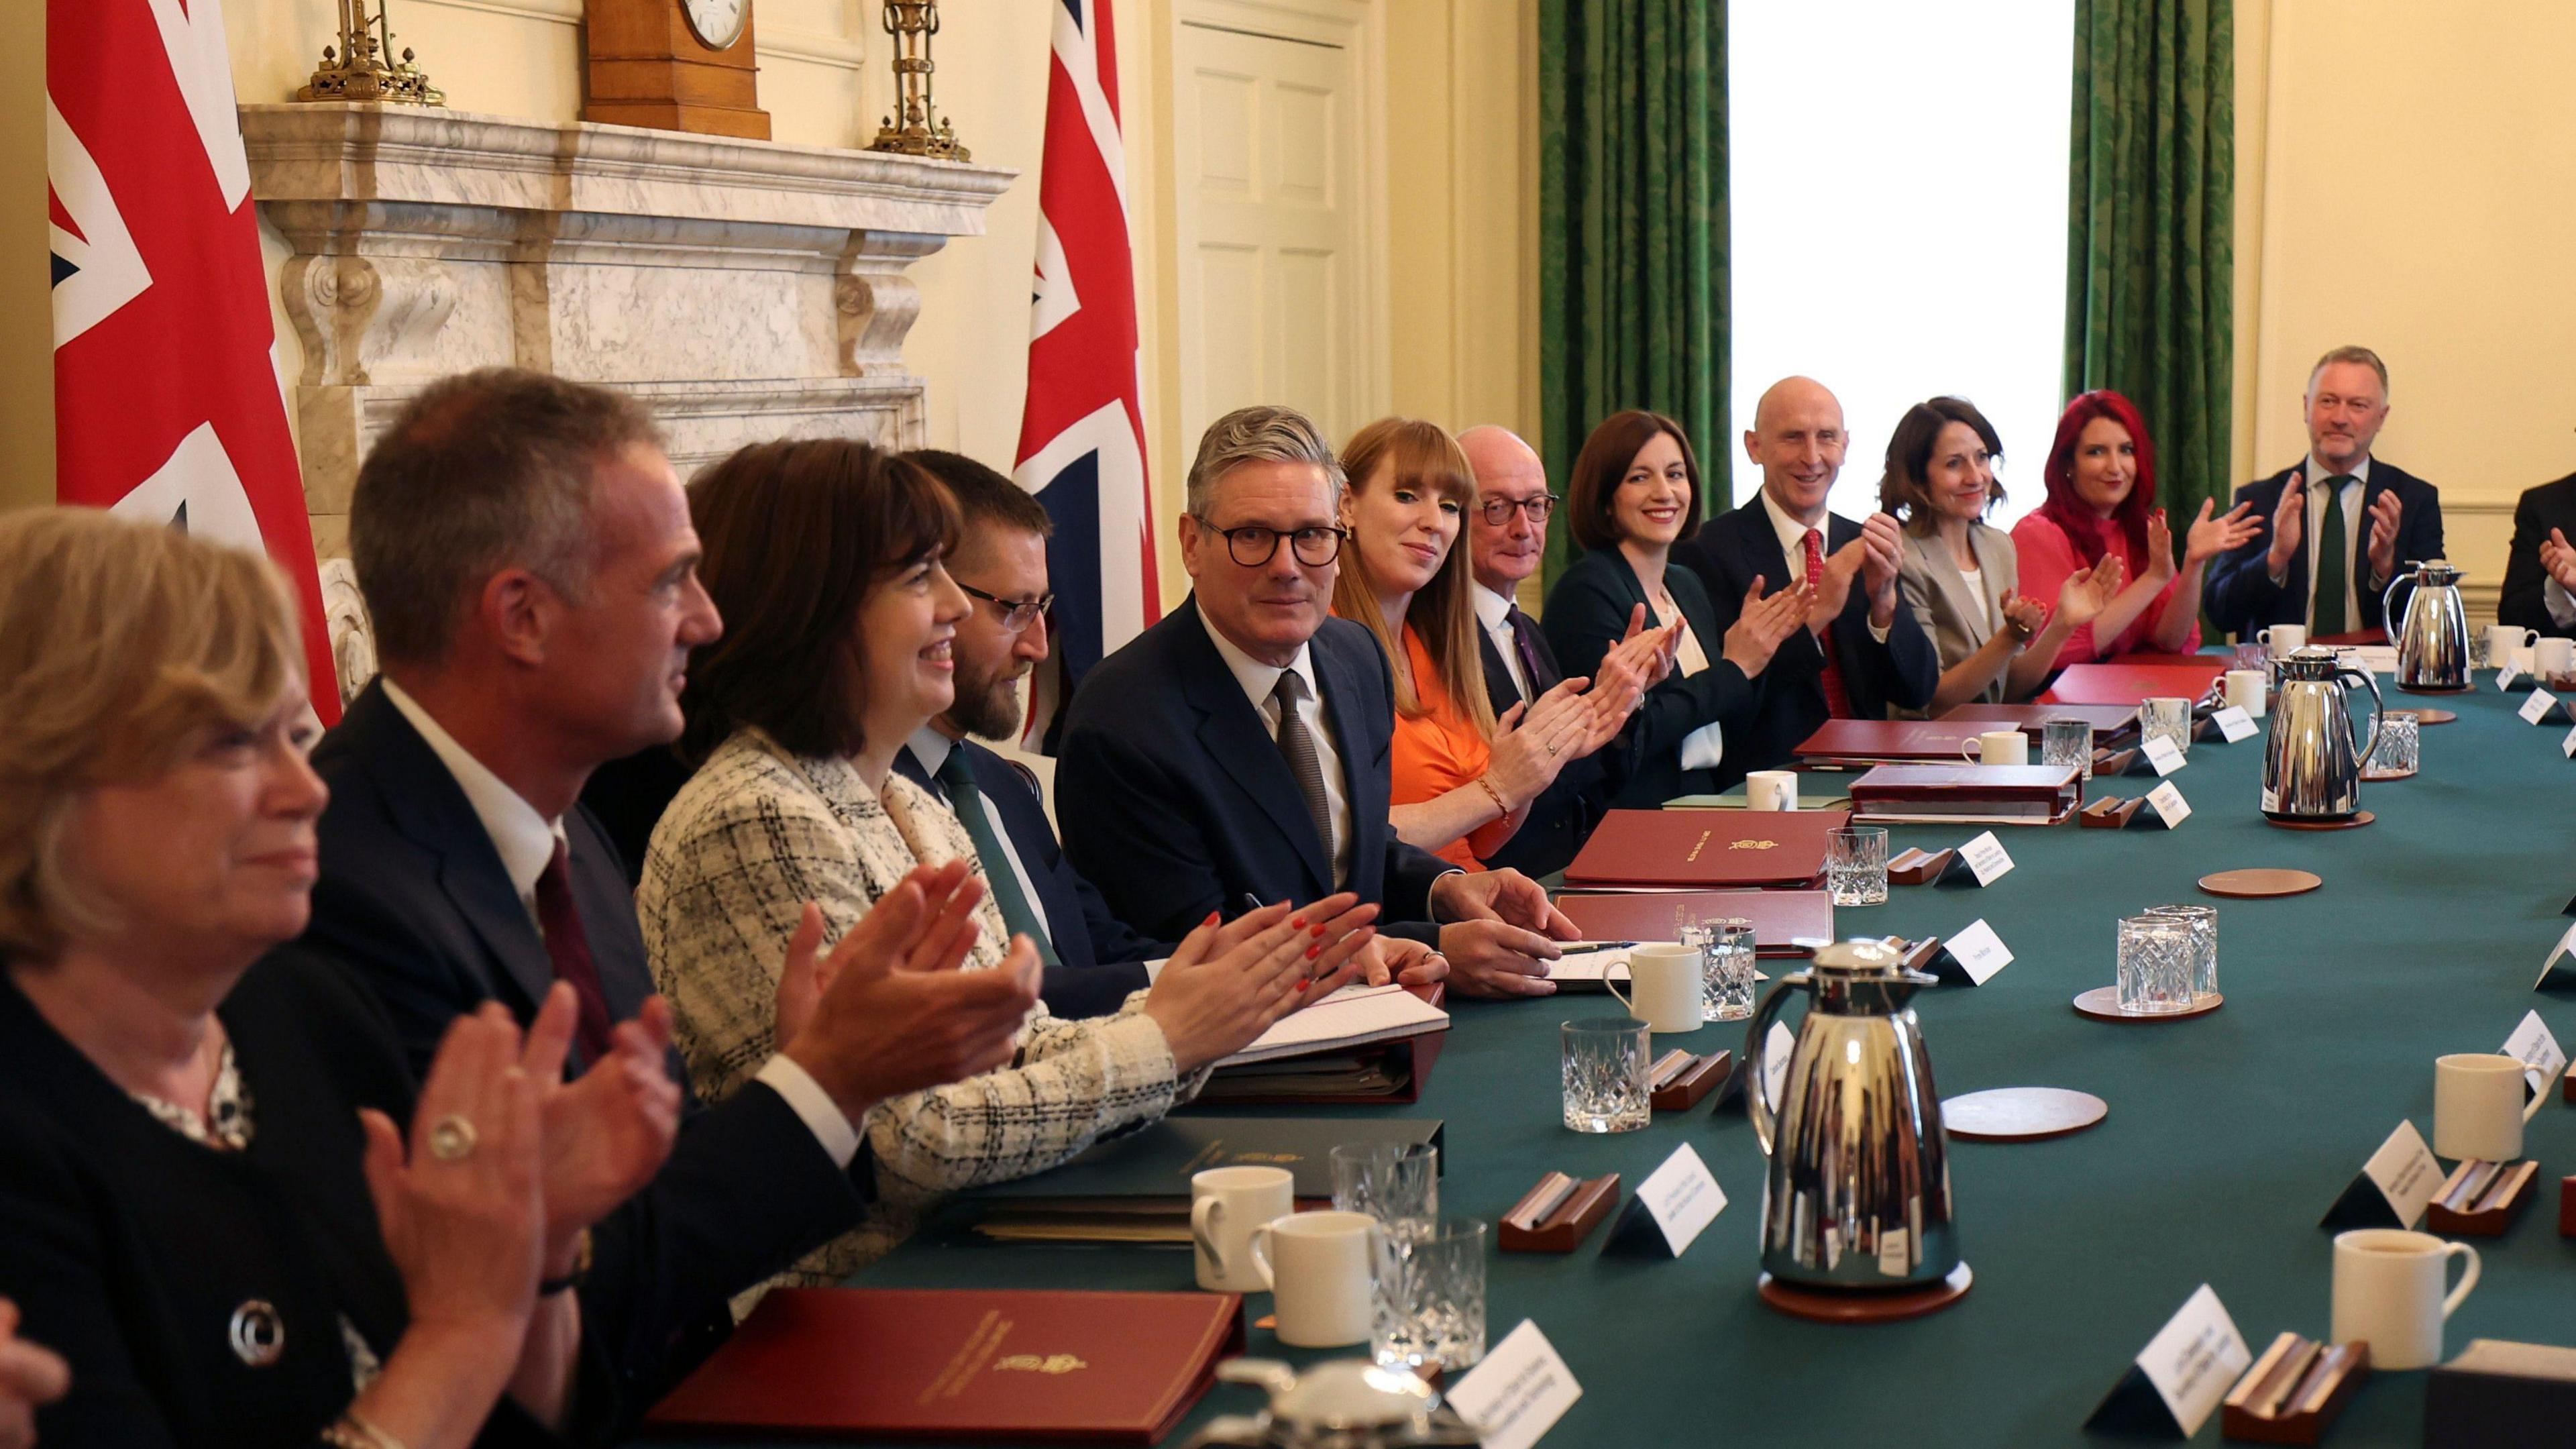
1781	919
2106	719
2138	677
1891	739
2030	794
1706	849
1016	1367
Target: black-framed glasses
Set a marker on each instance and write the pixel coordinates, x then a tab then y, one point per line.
1254	546
1017	614
1498	511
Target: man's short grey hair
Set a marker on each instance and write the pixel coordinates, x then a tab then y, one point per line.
482	471
1258	435
2361	355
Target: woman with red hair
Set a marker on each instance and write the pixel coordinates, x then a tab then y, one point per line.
2102	504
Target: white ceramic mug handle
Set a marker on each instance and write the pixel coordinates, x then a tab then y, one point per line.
2263	637
1205	1214
2468	1280
1257	1244
1613	987
1973	751
2530	637
2539	1095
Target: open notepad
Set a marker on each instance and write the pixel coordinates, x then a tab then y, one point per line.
1351	1017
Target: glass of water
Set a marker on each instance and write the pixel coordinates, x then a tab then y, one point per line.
1605	1074
2067	742
2158	955
1856	865
1427	1296
1726	969
2400	744
2204	944
1397	1183
2169	718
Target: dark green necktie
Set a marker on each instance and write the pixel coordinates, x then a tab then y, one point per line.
2334	561
957	777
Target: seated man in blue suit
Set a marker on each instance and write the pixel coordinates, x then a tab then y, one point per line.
1093	959
2326	567
1859	653
1239	748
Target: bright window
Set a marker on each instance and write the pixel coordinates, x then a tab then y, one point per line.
1898	198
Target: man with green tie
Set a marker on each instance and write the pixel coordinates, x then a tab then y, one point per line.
1093	959
2340	522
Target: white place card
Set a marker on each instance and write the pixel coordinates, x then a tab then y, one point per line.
2165	755
1518	1393
2235	724
2169	804
2505	678
2175	1385
2537	706
2537	1050
2552	977
1986	858
2567	746
1979	951
1672	1205
1777	1044
2394	1187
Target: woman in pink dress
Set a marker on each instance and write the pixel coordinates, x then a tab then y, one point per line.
2102	502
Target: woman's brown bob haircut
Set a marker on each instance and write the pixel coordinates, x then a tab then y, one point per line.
1590	493
796	533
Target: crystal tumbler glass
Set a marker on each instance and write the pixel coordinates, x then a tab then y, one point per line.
1605	1074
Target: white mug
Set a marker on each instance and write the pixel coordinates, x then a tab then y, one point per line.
1316	1266
2551	658
1771	790
2245	688
1664	988
2280	639
1226	1204
2478	1109
2506	640
1997	747
2388	1293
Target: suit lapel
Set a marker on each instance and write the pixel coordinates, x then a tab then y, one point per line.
1234	738
1360	739
1761	544
1500	687
1973	611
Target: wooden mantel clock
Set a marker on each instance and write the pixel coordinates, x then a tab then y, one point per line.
679	65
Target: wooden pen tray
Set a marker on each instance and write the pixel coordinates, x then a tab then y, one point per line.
1564	1227
1691	1082
1917	866
2467	1207
2109	813
2294	1392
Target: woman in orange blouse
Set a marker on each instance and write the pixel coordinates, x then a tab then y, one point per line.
1463	780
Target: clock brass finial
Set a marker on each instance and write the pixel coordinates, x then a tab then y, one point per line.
922	132
361	68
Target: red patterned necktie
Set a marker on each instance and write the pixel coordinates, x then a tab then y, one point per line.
568	947
1837	699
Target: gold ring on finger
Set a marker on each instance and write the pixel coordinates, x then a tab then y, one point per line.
451	1138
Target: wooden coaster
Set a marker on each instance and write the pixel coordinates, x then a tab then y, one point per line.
2355	821
2382	777
2262	881
2431	716
2021	1114
1864	1305
2102	1003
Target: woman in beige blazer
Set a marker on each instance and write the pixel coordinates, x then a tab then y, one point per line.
1959	575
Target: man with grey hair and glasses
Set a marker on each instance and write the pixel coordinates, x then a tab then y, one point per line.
2338	524
1238	750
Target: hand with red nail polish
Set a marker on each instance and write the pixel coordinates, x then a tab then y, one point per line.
1226	984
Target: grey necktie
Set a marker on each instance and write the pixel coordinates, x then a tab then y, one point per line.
1297	745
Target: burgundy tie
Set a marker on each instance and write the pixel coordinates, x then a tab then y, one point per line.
569	948
1837	699
1527	649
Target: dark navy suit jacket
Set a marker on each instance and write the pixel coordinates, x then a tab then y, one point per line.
2241	596
414	900
2525	601
1561	819
1587	611
1104	958
1733	549
1175	800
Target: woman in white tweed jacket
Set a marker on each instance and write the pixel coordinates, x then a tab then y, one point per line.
823	555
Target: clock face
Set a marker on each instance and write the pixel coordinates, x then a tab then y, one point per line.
717	22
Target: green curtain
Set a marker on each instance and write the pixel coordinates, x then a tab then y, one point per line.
1632	226
2150	264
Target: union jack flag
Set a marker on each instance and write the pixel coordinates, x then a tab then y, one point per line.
1082	430
166	396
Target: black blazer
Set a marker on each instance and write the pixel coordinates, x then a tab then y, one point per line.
2551	505
2241	597
129	1248
1587	612
1729	552
1561	819
1104	959
413	900
1175	801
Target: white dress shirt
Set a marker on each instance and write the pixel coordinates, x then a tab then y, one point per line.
2356	523
931	748
1258	680
526	843
1494	612
1793	546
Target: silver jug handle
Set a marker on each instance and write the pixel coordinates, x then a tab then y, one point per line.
1757	1104
2388	602
2378	711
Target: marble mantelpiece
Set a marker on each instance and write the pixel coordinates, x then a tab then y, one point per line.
743	289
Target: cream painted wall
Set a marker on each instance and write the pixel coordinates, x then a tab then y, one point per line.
2409	174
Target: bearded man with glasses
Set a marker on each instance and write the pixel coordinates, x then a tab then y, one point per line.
1239	748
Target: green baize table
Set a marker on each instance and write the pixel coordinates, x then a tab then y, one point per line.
2229	1135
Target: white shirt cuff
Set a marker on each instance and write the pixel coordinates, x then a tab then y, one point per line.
2562	608
1702	748
1154	969
807	1099
1878	635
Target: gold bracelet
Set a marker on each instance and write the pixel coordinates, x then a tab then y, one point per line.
353	1430
1496	796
